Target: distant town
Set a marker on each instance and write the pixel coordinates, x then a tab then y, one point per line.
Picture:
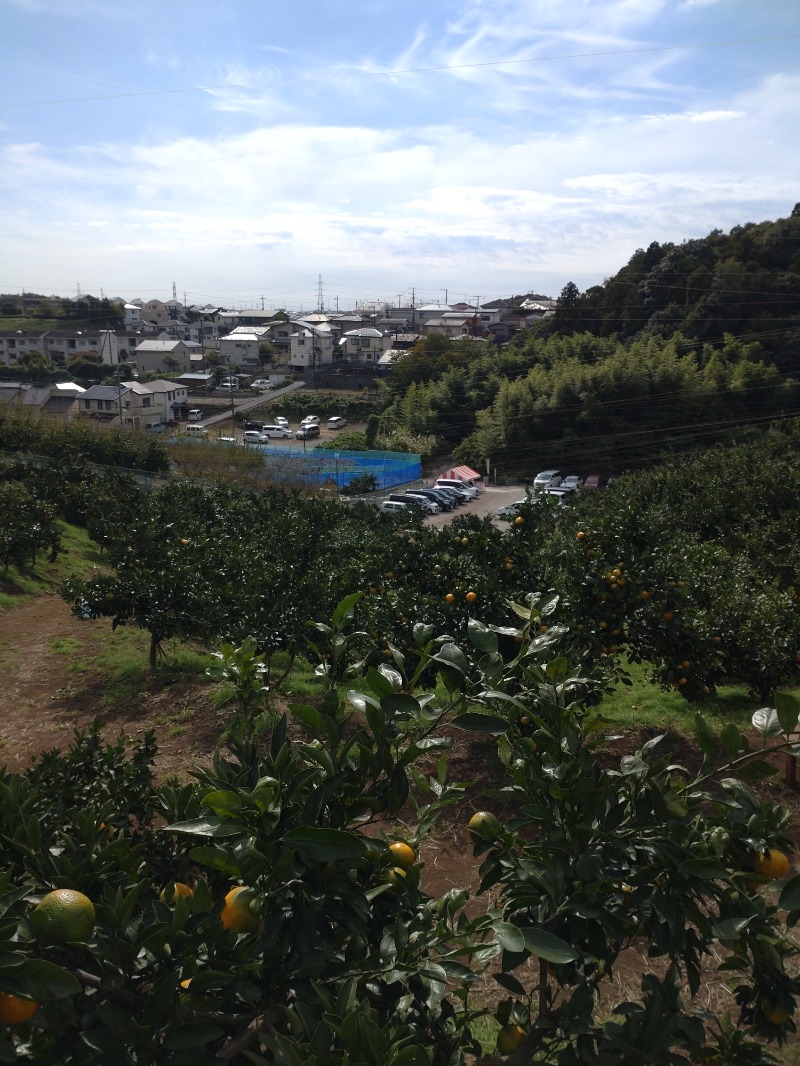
189	345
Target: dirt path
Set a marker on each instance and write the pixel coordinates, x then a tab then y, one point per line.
52	683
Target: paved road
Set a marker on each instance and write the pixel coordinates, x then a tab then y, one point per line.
261	399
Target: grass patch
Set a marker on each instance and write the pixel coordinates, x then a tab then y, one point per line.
302	682
80	559
65	645
645	705
122	663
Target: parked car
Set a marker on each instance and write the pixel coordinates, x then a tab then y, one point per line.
572	481
510	510
428	505
258	426
196	431
561	495
306	432
261	385
389	506
254	436
445	502
228	386
459	486
451	494
277	430
310	420
417	502
227	440
337	422
547	479
279	420
595	481
195	415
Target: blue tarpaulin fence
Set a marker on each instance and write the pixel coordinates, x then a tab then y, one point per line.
320	466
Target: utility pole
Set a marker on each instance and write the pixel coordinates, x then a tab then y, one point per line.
320	298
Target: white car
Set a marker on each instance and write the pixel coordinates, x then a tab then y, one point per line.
393	505
279	420
310	420
254	436
337	422
547	479
261	385
572	482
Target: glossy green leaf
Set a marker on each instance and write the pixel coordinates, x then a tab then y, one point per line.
548	946
325	845
481	723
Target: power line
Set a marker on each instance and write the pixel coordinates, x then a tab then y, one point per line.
420	70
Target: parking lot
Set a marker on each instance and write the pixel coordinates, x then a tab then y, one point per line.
490	499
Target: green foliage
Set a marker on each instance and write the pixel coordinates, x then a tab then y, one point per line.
352	960
31	435
360	484
298	404
27	527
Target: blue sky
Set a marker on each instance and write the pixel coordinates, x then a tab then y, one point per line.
468	149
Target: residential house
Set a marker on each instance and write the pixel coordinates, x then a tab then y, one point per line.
163	357
55	401
17	343
311	346
104	403
365	345
241	347
153	315
169	400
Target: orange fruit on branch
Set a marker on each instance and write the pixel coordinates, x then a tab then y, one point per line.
236	915
510	1039
68	915
179	890
403	855
773	864
14	1010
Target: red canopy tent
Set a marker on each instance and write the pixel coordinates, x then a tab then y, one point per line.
463	473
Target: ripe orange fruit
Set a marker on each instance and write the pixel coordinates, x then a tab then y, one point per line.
509	566
403	854
471	597
449	598
668	616
14	1010
236	915
509	1039
483	823
774	1013
645	594
580	535
774	864
69	916
518	520
179	890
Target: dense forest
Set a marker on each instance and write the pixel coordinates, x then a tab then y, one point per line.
686	346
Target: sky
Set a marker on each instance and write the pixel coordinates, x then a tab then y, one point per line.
259	153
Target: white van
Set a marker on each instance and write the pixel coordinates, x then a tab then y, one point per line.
196	431
195	415
277	431
456	483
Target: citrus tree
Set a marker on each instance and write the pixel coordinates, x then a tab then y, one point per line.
269	911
